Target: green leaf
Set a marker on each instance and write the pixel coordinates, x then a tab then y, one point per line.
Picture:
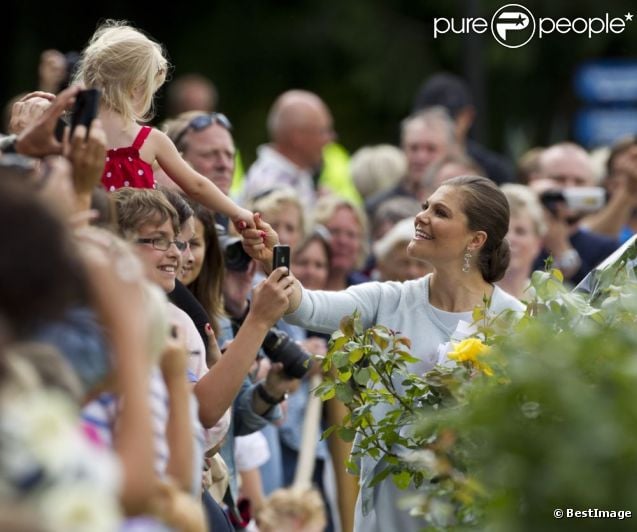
345	376
478	313
379	477
347	326
557	274
347	433
356	355
362	376
340	360
337	342
344	393
328	432
380	337
351	466
402	479
328	394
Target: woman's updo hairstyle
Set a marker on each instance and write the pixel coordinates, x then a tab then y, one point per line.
486	209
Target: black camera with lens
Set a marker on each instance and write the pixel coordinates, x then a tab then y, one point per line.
234	256
279	347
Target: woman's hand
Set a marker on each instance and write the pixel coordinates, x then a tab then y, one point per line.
259	242
271	297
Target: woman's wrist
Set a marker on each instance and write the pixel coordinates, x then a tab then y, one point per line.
256	324
267	265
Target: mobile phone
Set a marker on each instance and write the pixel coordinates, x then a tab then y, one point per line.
60	126
281	257
85	109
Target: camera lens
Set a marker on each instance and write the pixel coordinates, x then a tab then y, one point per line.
235	257
279	347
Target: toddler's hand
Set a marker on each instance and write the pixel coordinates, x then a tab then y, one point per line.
244	219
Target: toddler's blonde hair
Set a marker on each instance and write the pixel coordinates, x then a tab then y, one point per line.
292	509
120	60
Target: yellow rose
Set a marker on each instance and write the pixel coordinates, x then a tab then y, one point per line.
468	351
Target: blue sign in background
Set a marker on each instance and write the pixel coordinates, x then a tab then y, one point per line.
599	127
610	88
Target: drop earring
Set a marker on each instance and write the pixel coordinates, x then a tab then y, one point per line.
467	264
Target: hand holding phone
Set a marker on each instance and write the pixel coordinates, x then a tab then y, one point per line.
281	257
85	109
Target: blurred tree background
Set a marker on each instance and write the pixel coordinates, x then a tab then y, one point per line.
366	58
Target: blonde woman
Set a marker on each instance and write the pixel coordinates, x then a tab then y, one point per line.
348	228
282	209
526	230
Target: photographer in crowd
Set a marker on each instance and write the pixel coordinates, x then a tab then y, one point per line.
565	169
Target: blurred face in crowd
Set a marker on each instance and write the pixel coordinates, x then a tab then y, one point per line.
524	241
623	170
423	143
397	265
188	235
446	171
312	136
450	170
346	239
566	166
236	288
197	245
286	221
301	125
310	266
211	152
161	266
316	136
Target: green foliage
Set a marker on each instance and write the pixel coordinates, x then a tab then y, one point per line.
538	412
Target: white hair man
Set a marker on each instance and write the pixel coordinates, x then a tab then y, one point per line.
299	126
426	137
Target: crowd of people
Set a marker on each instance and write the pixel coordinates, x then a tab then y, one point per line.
154	368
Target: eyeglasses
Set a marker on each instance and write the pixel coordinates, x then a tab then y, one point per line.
200	122
161	243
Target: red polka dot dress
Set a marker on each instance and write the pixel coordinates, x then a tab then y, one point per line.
125	168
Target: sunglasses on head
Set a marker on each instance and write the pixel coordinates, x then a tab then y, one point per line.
200	122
